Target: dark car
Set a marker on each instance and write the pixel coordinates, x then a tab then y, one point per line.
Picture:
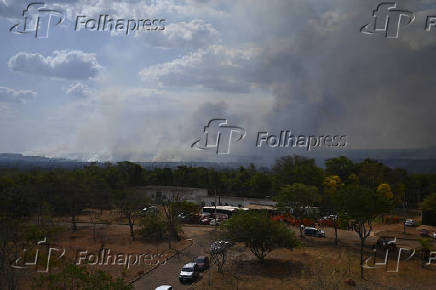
202	262
387	243
425	233
314	232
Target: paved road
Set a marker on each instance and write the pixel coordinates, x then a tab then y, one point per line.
168	274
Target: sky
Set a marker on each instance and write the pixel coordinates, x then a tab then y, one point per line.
265	66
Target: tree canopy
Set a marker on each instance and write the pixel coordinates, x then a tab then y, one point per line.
259	233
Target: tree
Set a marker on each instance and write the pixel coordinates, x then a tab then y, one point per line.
218	253
331	185
260	184
386	190
295	198
340	166
297	195
74	188
131	202
372	173
259	233
399	190
429	209
171	208
153	228
296	169
429	203
363	205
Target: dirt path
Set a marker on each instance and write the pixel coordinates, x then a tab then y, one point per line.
168	274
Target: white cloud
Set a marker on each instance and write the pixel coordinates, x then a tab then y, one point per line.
79	90
193	34
216	67
16	96
66	64
138	9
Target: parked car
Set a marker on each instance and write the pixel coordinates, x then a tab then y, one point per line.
386	242
164	287
189	218
150	210
202	262
189	272
434	235
214	222
221	216
313	232
425	233
410	223
205	221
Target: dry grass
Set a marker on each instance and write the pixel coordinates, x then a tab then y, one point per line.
324	267
113	237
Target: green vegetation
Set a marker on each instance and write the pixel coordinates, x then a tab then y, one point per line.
363	205
357	192
259	233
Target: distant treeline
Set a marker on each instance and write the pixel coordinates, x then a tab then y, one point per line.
62	191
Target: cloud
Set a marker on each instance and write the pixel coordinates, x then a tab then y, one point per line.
16	96
65	64
192	34
79	90
277	65
215	67
11	8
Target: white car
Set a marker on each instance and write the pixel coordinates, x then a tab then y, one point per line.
164	287
410	223
215	222
190	272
